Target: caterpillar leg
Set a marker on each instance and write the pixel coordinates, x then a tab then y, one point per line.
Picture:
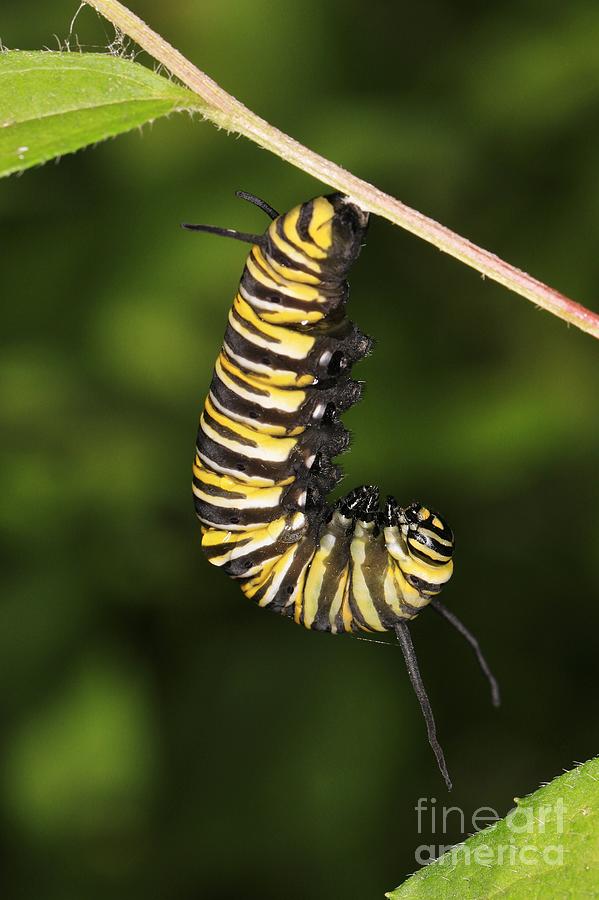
461	628
405	642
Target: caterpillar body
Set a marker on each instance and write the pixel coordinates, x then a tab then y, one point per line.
269	432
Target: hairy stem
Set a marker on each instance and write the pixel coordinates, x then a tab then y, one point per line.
225	111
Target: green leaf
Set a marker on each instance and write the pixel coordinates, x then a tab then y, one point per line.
55	103
548	846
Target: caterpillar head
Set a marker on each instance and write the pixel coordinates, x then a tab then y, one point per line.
428	537
349	224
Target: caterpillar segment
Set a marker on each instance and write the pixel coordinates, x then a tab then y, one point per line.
270	430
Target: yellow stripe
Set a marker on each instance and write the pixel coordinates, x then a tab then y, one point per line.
428	551
224	482
280	447
277	377
290	221
433	574
282	340
338	598
347	615
213	536
292	252
270	279
232	385
313	586
289	316
254	480
428	532
259	538
289	274
361	591
408	593
249	588
299	597
275	398
262	427
252	496
320	228
268	497
272	454
391	591
281	567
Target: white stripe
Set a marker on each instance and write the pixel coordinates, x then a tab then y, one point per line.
268	428
254	501
239	476
229	526
238	552
273	346
260	368
265	401
260	304
272	590
278	346
257	303
270	454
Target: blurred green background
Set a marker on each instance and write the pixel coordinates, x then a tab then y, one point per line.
162	737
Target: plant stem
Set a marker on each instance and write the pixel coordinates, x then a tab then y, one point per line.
225	111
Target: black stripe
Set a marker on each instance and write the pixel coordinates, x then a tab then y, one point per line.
411	610
215	491
304	220
279	256
305	551
358	622
253	558
428	541
225	516
342	337
249	326
350	393
272	276
335	565
226	432
243	384
269	295
422	586
424	557
220	549
229	459
246	349
329	439
374	571
262	590
232	401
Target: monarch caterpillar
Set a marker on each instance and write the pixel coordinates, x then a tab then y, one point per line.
270	429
